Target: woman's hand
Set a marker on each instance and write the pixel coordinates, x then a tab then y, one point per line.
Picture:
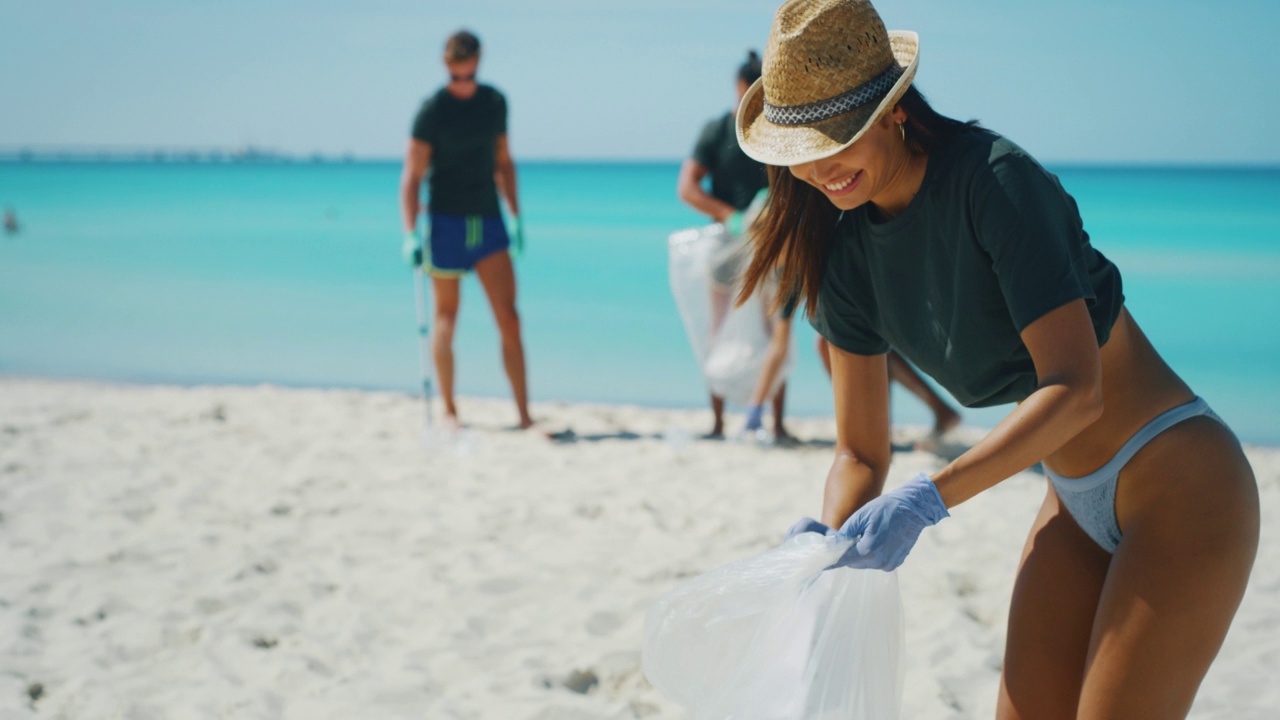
885	529
411	250
807	524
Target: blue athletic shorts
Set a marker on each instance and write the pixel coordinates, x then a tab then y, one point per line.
458	242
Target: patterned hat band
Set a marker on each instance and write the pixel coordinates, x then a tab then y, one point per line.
868	92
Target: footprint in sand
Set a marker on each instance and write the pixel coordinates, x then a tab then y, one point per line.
264	642
478	626
581	681
210	606
975	615
565	713
96	617
963	585
499	586
603	623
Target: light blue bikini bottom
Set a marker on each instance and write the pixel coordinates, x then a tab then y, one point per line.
1091	499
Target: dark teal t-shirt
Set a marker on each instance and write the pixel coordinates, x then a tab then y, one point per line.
990	243
463	135
735	178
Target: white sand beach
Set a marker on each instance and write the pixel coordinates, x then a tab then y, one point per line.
232	552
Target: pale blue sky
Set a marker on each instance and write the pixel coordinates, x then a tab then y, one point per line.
1172	81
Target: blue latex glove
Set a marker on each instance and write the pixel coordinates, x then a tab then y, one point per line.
515	230
886	528
755	417
807	524
411	251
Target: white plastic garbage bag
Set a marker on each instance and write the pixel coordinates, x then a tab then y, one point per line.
779	637
729	342
690	255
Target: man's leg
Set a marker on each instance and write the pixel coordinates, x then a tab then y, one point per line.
446	294
717	411
721	299
779	410
498	277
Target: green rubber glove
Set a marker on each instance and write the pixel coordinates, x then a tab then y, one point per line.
515	230
733	223
411	251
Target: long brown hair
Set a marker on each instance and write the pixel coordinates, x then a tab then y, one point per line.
796	226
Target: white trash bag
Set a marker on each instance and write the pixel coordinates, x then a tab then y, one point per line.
691	253
738	351
707	262
778	637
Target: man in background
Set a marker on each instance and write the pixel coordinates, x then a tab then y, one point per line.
735	181
460	135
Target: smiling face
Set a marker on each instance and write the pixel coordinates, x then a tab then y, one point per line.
877	168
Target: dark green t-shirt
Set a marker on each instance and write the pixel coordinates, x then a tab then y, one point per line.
990	243
463	135
735	178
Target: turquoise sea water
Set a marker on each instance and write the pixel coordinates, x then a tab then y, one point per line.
291	274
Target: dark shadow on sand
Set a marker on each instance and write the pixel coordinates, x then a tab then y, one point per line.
943	449
568	436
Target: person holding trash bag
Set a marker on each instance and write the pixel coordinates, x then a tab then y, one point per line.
735	181
903	228
460	134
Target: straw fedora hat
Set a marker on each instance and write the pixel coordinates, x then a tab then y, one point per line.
830	69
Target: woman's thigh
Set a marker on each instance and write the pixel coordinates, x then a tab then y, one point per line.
1188	510
1055	598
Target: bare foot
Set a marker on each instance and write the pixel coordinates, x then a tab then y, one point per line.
782	438
530	426
717	433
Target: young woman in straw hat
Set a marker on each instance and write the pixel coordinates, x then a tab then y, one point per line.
902	228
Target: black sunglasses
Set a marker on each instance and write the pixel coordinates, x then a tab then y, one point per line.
462	78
